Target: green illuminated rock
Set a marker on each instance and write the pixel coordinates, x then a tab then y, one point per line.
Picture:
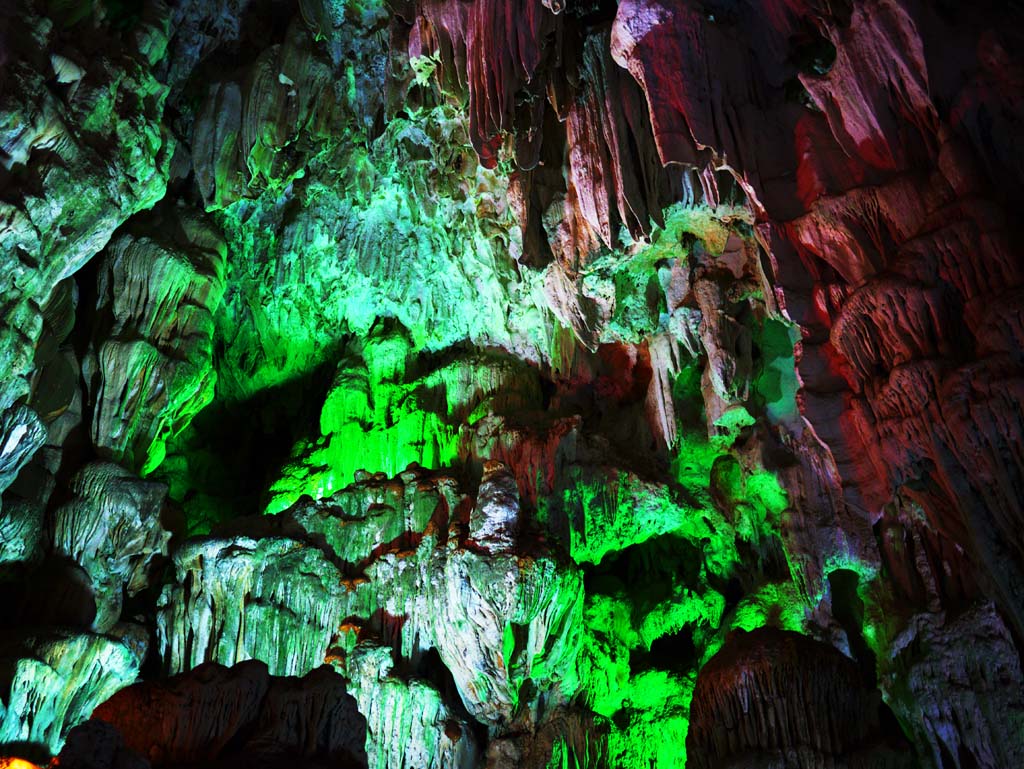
159	285
505	624
276	600
22	434
471	397
89	157
378	514
57	678
508	628
333	228
408	725
383	412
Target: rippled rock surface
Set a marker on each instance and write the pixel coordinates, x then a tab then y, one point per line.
513	383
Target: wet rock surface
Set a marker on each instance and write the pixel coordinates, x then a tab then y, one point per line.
519	383
152	369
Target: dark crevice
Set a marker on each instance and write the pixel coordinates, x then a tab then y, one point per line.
848	609
234	449
673	651
649	569
431	668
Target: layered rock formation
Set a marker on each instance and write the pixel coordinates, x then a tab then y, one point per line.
113	530
153	369
819	712
55	680
513	383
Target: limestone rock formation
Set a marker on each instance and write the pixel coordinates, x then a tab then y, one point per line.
57	679
152	371
494	521
276	600
22	527
71	188
112	529
508	629
980	710
504	624
408	723
592	384
821	713
98	745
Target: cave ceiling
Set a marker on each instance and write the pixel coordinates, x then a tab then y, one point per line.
590	384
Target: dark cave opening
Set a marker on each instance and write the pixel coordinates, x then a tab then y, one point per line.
672	651
849	612
432	668
234	448
647	570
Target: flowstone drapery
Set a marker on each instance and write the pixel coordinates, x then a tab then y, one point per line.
511	383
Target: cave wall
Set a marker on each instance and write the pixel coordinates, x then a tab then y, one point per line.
511	383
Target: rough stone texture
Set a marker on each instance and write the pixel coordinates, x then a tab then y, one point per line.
874	112
276	600
818	713
494	521
98	745
688	319
407	722
23	434
959	682
506	626
21	527
53	681
70	187
514	615
158	288
112	529
56	396
377	514
216	716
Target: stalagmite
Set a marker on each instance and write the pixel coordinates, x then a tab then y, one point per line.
511	383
